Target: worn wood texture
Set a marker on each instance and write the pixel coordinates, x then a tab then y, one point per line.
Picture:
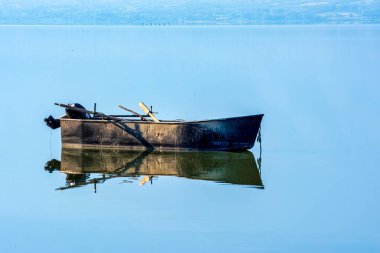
221	134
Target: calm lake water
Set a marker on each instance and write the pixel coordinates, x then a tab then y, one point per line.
317	189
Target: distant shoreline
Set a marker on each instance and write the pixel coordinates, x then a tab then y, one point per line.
195	25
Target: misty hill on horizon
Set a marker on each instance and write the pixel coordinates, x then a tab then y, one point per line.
184	12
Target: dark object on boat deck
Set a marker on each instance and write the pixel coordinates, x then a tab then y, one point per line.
75	114
106	131
87	112
52	122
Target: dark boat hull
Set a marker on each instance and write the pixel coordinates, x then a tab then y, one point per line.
222	134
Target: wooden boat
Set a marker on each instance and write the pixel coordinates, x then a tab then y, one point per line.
102	131
223	167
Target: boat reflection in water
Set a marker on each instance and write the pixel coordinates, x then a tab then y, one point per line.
94	166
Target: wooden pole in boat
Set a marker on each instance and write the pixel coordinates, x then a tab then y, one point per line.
147	111
87	111
135	113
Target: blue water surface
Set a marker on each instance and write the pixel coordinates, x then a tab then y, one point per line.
318	87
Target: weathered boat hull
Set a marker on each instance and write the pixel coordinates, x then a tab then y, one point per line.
222	134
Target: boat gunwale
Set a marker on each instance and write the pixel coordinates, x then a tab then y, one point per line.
163	121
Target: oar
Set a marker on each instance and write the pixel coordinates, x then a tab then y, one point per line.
147	111
87	111
135	113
